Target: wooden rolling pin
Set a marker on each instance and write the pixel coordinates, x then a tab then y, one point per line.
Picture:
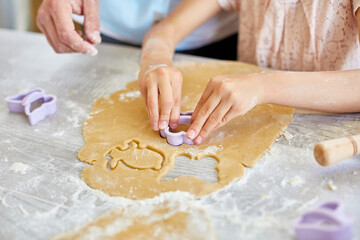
335	150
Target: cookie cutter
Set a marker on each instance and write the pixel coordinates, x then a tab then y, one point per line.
22	103
327	221
15	102
176	139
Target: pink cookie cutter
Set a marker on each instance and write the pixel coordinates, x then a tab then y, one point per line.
22	103
176	139
327	221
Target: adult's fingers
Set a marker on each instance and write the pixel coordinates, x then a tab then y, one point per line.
46	26
166	98
66	30
52	37
92	21
175	111
203	115
214	119
152	104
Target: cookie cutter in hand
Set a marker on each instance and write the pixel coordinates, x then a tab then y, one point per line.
178	138
326	222
22	103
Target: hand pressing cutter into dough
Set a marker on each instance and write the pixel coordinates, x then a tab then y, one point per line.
178	138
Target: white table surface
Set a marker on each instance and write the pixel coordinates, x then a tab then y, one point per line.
50	197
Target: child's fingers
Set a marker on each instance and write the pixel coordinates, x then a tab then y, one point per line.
227	117
206	94
152	104
175	111
213	120
203	115
166	98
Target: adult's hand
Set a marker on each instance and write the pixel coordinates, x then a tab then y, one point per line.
225	97
54	19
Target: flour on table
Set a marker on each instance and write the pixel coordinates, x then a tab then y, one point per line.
2	201
274	151
287	135
22	210
294	182
58	134
78	113
6	141
19	167
332	186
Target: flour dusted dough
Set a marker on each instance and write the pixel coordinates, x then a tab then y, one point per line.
170	221
129	159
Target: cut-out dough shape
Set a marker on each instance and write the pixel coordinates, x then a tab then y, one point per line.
122	118
137	157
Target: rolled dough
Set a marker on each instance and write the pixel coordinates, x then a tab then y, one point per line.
169	221
129	159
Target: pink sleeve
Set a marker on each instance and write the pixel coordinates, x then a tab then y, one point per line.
233	5
355	3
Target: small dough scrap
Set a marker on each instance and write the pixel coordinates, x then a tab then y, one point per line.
121	122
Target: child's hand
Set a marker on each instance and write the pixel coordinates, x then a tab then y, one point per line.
224	98
164	83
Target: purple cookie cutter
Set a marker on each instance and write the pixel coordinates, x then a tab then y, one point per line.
176	139
22	103
326	222
15	103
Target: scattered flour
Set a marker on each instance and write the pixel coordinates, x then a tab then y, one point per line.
19	167
274	151
53	211
58	134
294	182
2	201
332	186
163	197
211	150
6	141
78	113
287	135
129	96
22	210
184	100
264	196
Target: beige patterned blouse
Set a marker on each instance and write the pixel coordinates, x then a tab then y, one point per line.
302	35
